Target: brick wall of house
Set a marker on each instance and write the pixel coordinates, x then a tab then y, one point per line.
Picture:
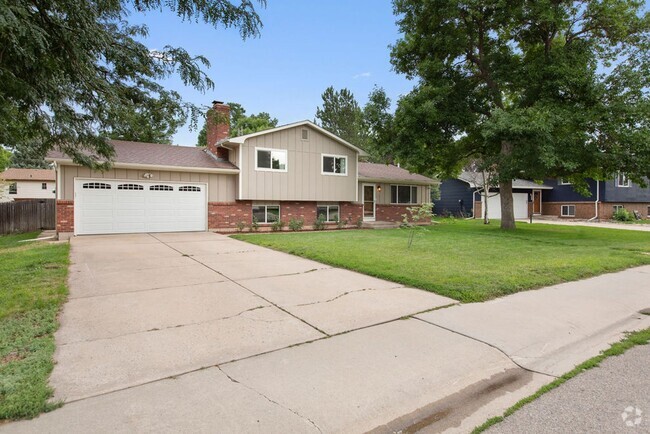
606	209
478	209
298	210
352	211
226	215
391	213
64	216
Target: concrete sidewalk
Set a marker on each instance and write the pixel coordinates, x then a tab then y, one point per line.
202	333
604	225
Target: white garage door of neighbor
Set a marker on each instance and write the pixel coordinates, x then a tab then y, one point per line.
104	206
520	202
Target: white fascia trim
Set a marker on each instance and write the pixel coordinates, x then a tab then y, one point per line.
241	139
155	167
397	181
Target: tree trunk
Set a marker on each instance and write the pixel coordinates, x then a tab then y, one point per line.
485	195
507	205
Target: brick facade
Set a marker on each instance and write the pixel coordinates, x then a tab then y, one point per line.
65	216
226	215
586	210
218	128
351	211
391	213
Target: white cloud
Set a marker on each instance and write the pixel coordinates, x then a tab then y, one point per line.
362	75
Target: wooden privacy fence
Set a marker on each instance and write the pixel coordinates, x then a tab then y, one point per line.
27	215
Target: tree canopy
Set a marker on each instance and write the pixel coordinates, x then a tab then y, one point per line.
534	89
240	124
5	158
342	115
74	73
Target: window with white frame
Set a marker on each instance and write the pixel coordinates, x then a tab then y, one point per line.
266	213
335	165
563	181
44	186
403	194
618	208
330	213
622	180
271	159
568	211
13	188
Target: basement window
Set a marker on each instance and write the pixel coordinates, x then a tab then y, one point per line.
330	213
568	211
618	208
266	213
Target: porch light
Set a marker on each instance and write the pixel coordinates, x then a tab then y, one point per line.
379	188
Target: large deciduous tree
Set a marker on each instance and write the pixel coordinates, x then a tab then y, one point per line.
538	88
74	72
240	124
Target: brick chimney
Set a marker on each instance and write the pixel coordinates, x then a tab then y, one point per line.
218	128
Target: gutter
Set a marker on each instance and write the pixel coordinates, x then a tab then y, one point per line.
595	217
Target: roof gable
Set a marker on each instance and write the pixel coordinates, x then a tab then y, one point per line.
241	139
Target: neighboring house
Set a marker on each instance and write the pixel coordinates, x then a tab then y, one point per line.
462	196
604	198
555	197
23	184
296	171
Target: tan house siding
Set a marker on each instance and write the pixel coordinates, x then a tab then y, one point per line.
221	188
303	180
383	197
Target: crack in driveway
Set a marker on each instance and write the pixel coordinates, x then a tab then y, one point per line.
346	293
270	400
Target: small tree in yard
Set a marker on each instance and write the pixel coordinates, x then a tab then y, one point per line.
483	177
415	216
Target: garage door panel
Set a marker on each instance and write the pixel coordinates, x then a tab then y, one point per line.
156	207
520	201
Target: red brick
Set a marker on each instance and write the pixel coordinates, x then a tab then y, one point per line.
64	216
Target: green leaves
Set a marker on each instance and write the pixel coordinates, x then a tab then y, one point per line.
74	73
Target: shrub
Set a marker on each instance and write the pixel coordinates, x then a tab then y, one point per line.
277	226
623	215
340	224
240	226
296	224
359	223
319	224
255	224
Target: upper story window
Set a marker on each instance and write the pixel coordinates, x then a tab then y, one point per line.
563	181
13	188
403	194
622	180
335	165
44	186
271	159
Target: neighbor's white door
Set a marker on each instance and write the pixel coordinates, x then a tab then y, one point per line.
115	207
520	205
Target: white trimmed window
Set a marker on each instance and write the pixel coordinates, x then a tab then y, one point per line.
44	186
563	181
271	159
622	180
330	213
13	188
618	208
403	194
266	213
568	211
334	165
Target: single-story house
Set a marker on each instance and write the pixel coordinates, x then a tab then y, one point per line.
555	197
462	196
25	184
295	171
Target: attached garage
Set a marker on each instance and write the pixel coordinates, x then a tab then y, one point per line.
494	206
105	206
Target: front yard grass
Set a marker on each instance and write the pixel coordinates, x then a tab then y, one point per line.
32	289
469	261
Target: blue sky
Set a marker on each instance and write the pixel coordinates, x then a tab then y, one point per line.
305	46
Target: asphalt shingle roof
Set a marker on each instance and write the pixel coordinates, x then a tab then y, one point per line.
157	154
390	172
28	175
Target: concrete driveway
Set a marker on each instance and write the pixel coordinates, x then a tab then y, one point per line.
198	332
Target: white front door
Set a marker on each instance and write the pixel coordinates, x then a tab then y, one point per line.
369	202
104	206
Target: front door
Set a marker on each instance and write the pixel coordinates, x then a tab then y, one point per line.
369	202
537	202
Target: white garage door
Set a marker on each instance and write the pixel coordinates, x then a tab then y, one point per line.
520	202
116	207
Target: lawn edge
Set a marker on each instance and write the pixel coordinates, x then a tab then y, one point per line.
632	339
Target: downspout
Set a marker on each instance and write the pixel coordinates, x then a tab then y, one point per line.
595	217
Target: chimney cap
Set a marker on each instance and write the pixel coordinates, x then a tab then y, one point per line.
215	102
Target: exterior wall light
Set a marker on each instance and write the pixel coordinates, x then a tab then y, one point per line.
147	175
379	188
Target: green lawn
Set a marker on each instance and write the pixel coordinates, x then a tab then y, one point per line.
33	287
467	260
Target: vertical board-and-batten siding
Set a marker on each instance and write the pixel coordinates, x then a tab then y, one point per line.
221	187
303	180
383	197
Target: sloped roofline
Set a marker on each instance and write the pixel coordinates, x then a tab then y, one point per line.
241	139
